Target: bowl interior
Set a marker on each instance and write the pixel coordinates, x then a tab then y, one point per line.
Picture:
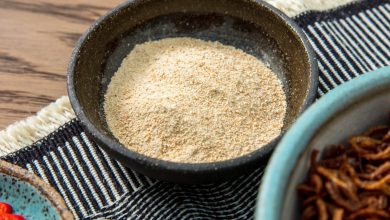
206	26
369	111
347	110
244	24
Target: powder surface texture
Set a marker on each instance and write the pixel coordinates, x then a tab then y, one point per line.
193	101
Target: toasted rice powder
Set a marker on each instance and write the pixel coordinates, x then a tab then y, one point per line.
193	101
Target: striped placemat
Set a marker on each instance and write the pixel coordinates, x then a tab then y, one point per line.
349	41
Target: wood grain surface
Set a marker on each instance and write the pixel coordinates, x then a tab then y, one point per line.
36	41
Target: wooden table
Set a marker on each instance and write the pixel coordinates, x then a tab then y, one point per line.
36	40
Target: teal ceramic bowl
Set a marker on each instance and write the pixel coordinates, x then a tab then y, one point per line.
29	196
347	110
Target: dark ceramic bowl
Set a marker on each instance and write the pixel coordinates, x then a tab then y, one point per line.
29	195
253	26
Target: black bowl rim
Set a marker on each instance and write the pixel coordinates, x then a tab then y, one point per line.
115	146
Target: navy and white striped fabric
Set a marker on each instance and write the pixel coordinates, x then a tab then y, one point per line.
348	41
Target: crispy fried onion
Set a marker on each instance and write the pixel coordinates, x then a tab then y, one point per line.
350	182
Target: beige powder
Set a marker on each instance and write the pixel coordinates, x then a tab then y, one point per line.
193	101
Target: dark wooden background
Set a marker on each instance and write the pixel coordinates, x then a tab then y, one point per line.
36	40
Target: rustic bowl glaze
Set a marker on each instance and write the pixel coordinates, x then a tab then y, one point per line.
253	26
347	110
29	195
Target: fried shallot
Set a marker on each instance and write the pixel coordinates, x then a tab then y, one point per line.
350	182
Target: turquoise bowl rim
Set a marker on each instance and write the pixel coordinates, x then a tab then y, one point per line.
283	160
45	190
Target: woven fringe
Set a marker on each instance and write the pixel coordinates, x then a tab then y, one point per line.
31	129
295	7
